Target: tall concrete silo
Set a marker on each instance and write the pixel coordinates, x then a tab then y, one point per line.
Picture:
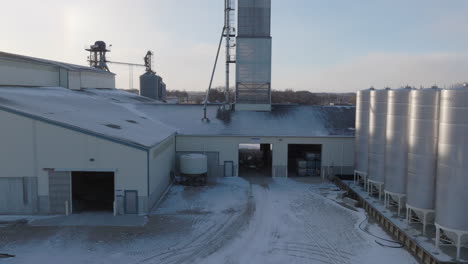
362	135
396	147
377	128
423	134
452	167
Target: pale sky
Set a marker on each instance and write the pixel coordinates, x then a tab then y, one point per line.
318	45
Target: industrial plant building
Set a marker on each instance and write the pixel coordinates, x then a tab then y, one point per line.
71	142
73	150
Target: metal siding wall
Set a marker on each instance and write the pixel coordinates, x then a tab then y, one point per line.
336	151
253	52
59	191
254	17
18	73
161	165
97	80
254	60
18	195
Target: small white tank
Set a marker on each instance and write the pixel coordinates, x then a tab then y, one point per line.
193	164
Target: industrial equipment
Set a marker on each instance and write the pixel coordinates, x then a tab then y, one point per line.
193	170
452	166
377	129
396	147
362	135
423	128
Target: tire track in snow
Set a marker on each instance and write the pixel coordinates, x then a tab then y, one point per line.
210	239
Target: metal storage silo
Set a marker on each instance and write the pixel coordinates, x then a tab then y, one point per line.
150	85
362	134
452	167
377	128
396	147
422	155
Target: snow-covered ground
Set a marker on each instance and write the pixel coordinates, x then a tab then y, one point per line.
235	221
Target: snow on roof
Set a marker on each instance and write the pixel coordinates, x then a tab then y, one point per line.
283	120
143	122
109	113
68	66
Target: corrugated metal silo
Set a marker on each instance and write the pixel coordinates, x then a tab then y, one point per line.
452	167
396	147
377	128
422	155
362	133
150	84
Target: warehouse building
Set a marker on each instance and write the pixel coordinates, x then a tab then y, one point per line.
66	151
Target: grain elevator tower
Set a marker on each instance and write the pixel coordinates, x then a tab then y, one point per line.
253	56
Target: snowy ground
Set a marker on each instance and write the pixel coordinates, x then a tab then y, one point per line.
236	221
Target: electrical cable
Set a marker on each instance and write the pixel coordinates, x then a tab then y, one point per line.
399	244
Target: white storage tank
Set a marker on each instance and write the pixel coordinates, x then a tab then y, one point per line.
362	134
422	155
377	128
193	164
452	167
396	147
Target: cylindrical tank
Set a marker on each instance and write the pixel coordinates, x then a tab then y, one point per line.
193	164
361	149
396	144
452	165
377	128
150	85
422	148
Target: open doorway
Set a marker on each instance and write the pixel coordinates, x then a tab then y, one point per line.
255	160
92	191
304	160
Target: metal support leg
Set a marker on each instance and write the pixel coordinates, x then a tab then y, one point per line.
380	192
459	237
385	200
424	223
399	206
437	237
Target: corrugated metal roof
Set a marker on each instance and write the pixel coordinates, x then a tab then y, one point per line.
283	120
142	122
68	66
107	113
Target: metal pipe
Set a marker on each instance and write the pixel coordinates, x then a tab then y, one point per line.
212	75
126	63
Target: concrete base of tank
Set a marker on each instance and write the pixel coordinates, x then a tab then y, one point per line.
394	200
423	247
420	216
375	187
451	237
